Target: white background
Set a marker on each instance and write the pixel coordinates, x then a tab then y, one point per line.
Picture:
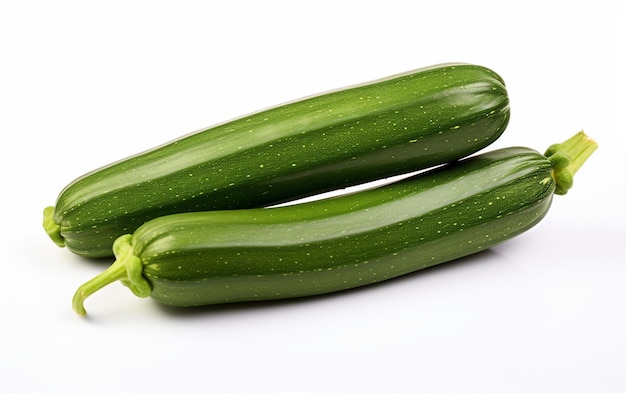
85	83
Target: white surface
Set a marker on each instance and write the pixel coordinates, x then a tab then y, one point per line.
86	83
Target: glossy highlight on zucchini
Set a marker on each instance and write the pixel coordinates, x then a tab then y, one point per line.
201	258
391	126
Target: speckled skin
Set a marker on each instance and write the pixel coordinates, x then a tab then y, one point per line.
396	125
344	242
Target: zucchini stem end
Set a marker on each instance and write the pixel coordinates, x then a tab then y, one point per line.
127	269
52	228
567	158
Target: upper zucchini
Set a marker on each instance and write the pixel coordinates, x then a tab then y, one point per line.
395	125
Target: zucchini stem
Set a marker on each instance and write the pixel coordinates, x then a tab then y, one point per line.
127	269
567	158
52	228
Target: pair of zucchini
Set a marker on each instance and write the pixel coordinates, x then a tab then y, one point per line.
199	234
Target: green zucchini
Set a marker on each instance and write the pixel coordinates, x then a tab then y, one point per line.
201	258
396	125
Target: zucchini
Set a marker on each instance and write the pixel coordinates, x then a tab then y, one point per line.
201	258
396	125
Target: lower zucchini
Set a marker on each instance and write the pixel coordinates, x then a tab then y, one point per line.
318	247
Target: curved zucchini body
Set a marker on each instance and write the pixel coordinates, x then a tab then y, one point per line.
396	125
338	243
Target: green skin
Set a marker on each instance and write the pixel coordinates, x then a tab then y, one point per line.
344	242
396	125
